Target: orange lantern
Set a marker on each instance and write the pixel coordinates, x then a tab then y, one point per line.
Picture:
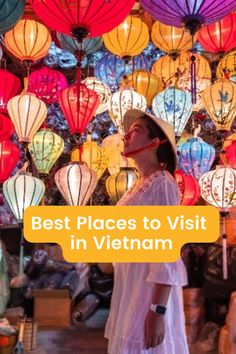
189	188
229	140
228	155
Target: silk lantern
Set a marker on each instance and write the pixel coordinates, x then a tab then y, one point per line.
101	89
45	148
228	155
189	188
9	156
6	127
229	139
76	182
226	68
88	45
11	12
10	86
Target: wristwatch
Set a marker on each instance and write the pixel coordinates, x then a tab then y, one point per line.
159	309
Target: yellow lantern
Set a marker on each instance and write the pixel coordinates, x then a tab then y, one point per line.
28	40
144	83
220	102
128	39
227	67
118	183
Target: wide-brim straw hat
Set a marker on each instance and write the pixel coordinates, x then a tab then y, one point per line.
132	114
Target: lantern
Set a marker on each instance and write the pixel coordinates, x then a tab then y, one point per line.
228	155
6	127
45	149
27	113
76	182
81	19
128	39
227	67
144	83
9	156
101	90
189	188
28	40
174	106
219	101
229	140
10	86
119	183
22	191
47	84
219	36
88	45
11	12
195	157
79	104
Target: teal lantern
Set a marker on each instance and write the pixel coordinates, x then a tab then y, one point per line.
88	46
10	13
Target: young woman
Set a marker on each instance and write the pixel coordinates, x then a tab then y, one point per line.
146	315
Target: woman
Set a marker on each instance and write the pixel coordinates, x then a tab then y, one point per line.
146	315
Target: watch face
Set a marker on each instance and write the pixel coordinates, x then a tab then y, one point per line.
161	310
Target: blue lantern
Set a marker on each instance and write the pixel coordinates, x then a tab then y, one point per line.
89	45
11	12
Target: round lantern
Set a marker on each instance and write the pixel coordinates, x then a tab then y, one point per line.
11	12
6	127
219	101
47	84
120	102
76	182
101	89
79	105
219	36
189	188
27	113
119	183
45	149
22	191
28	40
10	86
81	19
195	157
227	67
228	156
9	156
128	39
174	106
88	45
229	140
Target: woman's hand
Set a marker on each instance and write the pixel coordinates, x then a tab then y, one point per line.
154	329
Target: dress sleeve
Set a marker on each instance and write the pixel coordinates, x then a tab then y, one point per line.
165	191
168	273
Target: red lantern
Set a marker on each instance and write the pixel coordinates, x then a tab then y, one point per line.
78	104
10	86
6	127
228	156
9	156
189	188
219	36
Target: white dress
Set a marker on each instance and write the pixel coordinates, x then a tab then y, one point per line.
132	293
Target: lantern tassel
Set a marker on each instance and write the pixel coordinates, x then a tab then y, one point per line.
21	260
224	246
193	79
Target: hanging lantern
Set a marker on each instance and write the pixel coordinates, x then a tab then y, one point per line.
229	140
226	68
174	106
88	45
6	127
22	191
128	39
120	102
10	86
45	149
228	155
28	40
27	113
47	84
79	104
119	183
189	188
220	103
11	12
101	90
219	36
81	19
144	83
195	157
76	182
9	156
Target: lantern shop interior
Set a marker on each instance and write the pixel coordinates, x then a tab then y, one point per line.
68	74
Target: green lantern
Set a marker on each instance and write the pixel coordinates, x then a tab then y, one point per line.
11	12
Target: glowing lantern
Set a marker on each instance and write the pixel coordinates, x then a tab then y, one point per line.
219	36
101	90
195	157
228	156
47	84
119	183
227	67
6	127
45	149
22	191
220	103
28	40
10	86
9	156
128	39
174	106
11	12
79	105
27	113
189	188
229	140
121	101
76	182
89	45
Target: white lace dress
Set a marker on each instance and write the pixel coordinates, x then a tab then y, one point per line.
133	285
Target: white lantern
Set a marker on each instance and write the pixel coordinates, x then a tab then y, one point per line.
101	90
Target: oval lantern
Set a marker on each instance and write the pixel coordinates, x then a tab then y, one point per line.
189	188
228	155
229	139
88	46
6	127
10	86
11	12
79	104
174	106
9	156
226	68
76	182
22	191
27	113
45	148
101	89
